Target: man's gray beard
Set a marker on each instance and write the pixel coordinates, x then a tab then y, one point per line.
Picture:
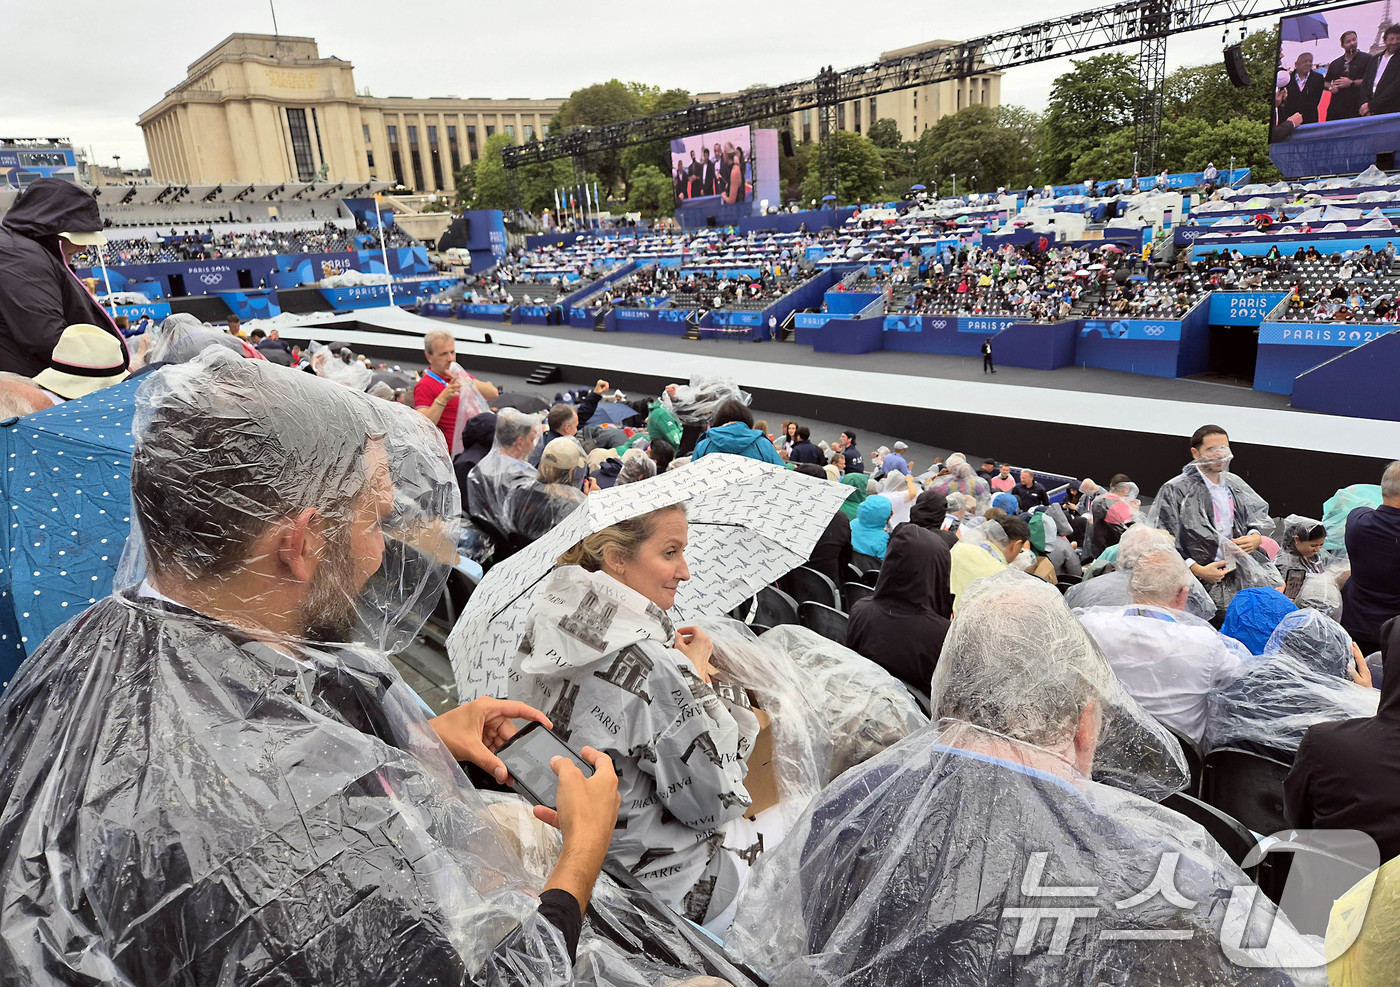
329	613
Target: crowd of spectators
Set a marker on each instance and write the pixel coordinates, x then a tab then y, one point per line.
210	244
217	774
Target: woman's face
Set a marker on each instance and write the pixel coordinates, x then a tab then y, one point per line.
792	430
1308	549
659	568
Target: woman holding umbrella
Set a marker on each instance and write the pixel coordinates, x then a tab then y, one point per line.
601	654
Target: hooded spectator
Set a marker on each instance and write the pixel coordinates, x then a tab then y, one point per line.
902	626
731	430
40	296
868	534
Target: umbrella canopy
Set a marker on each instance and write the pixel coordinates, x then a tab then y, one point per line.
526	404
611	412
1112	247
750	523
828	197
1095	267
1304	27
917	188
68	495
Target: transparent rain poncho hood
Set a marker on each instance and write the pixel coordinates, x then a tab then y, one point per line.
1300	680
952	857
327	364
695	403
188	799
219	470
499	473
181	337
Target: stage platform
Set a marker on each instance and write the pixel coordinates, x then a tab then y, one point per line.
1074	421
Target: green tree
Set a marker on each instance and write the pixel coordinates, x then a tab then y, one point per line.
492	187
973	143
657	153
1204	92
1088	103
884	134
464	180
859	171
599	104
651	191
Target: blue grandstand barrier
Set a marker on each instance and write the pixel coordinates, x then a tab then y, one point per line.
1358	382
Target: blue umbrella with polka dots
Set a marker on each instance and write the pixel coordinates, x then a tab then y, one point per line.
66	496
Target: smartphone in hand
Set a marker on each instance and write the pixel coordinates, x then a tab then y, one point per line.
527	756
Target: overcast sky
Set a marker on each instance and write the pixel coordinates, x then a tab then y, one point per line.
118	61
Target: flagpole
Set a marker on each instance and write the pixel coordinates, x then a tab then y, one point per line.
102	262
383	250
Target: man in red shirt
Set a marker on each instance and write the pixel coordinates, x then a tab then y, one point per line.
437	394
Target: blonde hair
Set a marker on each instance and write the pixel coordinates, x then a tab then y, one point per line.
625	537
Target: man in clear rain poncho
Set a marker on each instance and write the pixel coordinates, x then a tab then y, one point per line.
504	469
1216	519
197	786
1111	588
978	852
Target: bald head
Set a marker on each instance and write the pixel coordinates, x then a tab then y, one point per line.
20	396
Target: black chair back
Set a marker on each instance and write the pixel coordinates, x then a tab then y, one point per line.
804	584
775	607
829	622
1247	786
852	592
1318	878
870	577
1232	835
1194	760
865	563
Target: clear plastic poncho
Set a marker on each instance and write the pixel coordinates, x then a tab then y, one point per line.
181	337
1301	679
327	364
237	799
865	708
978	850
1184	508
491	481
533	508
695	403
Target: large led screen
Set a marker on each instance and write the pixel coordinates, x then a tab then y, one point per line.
1336	65
713	167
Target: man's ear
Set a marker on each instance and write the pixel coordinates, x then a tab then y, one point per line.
297	548
1086	738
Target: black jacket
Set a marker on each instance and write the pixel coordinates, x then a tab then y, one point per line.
929	511
1382	94
1303	100
1347	773
832	552
1346	103
901	628
1032	496
39	295
806	452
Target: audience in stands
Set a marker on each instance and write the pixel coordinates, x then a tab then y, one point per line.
732	431
985	551
1216	519
504	469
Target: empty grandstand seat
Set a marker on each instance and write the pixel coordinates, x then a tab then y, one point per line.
852	592
804	584
865	563
827	621
1232	835
1248	786
775	607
